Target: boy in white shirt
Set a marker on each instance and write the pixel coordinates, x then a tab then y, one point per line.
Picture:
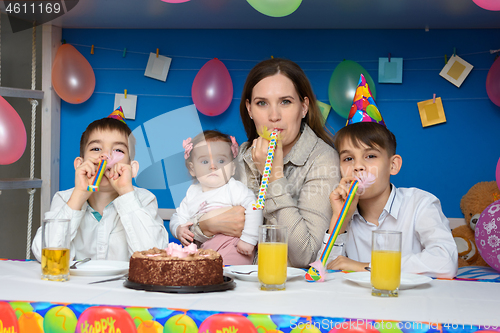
365	145
119	219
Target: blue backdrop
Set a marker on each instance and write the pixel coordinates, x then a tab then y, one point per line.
445	159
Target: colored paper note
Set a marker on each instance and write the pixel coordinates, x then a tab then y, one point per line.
456	70
128	104
390	71
158	67
431	113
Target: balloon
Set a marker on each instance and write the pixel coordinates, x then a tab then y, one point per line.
488	4
12	134
493	82
275	8
175	1
498	174
212	89
343	84
487	235
73	78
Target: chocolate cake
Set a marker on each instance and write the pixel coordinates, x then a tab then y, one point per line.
176	267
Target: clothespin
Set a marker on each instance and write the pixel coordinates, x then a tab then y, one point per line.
272	57
157	52
63	41
125	93
433	98
124	52
389	57
445	59
454	52
92	50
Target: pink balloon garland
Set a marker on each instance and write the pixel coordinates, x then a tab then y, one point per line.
12	134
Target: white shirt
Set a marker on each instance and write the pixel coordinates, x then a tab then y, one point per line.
233	193
427	244
129	223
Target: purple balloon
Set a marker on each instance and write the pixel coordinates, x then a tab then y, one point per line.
212	89
493	82
12	134
488	235
498	174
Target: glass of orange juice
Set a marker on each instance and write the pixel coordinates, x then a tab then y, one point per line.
272	257
55	249
386	263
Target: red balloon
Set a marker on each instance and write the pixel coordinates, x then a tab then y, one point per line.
73	78
8	318
105	319
227	322
488	4
12	134
212	89
493	82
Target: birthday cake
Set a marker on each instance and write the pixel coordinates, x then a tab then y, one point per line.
176	266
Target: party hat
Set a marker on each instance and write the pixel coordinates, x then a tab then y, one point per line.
363	108
118	115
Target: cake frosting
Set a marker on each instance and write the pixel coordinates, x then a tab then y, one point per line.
176	266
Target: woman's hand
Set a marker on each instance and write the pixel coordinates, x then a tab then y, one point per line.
259	157
229	223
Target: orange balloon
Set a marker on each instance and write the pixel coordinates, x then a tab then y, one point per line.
73	78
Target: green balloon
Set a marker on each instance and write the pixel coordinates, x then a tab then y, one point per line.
275	8
343	85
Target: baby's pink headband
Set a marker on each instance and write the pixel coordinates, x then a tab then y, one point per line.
188	146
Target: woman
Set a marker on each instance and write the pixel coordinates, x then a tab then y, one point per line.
277	95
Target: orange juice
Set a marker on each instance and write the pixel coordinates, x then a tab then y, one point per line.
386	270
272	263
55	264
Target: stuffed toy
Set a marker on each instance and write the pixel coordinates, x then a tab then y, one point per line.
480	196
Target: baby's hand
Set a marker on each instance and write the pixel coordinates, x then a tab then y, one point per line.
245	248
184	234
120	177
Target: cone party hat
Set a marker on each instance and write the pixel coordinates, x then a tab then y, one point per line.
363	108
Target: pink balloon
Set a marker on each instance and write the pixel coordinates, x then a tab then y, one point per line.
175	1
498	174
493	82
212	89
12	134
73	78
487	235
488	4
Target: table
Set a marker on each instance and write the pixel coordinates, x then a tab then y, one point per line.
467	305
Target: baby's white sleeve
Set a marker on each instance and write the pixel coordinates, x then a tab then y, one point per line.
338	248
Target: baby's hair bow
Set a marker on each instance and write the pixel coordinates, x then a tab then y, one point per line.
188	146
234	146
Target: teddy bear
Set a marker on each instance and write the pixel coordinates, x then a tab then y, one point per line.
479	196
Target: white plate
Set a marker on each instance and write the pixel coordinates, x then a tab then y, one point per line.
233	272
407	280
100	267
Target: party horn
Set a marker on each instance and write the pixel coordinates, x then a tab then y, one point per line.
101	168
316	274
261	198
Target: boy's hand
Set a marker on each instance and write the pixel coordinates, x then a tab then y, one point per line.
184	234
337	200
346	264
84	175
120	177
244	248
